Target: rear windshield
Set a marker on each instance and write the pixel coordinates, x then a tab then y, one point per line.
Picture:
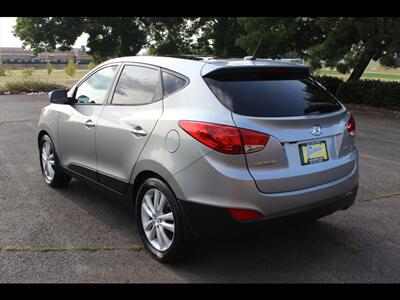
271	93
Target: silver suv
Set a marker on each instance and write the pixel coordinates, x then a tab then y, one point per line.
200	144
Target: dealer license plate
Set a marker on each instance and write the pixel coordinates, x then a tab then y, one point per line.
315	152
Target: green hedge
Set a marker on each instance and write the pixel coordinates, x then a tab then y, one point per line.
370	92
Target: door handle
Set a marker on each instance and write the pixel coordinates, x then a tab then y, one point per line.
89	124
138	131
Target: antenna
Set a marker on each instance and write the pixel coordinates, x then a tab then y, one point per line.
253	57
255	51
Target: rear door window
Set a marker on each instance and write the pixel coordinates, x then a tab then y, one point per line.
271	93
137	86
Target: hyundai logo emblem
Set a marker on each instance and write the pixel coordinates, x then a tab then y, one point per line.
316	130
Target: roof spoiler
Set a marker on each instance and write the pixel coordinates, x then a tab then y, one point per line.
272	70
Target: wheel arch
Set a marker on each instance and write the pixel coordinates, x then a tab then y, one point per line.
146	168
142	177
40	135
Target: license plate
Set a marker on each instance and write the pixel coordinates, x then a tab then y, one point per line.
311	153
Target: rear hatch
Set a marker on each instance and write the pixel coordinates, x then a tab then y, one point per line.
308	141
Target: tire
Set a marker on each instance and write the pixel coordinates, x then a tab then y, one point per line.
52	172
159	226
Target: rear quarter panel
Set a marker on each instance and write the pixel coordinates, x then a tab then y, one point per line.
194	102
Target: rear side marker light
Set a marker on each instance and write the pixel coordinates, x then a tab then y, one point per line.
244	214
351	126
225	139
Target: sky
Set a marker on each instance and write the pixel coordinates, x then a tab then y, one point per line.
7	39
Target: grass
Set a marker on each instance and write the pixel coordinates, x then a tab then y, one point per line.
29	85
380	197
60	77
391	75
107	248
57	76
134	248
19	81
86	248
15	248
353	250
48	249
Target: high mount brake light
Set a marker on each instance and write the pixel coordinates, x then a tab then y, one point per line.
276	70
224	138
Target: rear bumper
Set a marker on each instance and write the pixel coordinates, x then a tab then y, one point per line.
211	183
205	219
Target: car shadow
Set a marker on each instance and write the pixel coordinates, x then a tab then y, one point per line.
112	213
289	252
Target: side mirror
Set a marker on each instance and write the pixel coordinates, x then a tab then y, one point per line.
59	97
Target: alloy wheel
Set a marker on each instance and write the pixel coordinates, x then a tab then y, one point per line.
48	161
157	219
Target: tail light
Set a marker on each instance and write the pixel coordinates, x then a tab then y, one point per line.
351	126
253	141
244	214
225	139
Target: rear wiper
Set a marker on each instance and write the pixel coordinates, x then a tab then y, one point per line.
321	107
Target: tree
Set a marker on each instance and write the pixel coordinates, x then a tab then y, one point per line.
348	41
278	35
112	37
342	42
217	36
71	67
48	33
358	40
194	35
122	36
168	35
108	37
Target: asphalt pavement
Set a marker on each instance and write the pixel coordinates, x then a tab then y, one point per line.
77	234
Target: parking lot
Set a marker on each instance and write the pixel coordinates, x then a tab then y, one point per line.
76	234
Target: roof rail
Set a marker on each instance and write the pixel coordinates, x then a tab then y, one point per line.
184	56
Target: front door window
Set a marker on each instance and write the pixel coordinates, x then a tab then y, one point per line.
94	89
